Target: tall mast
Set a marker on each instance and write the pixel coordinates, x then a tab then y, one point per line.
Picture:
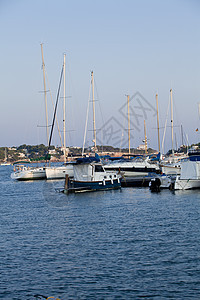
172	125
45	95
145	139
158	123
64	132
94	125
129	145
182	134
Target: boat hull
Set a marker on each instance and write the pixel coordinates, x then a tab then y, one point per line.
34	174
186	184
59	172
96	185
171	170
133	169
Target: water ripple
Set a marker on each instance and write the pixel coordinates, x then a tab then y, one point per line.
127	244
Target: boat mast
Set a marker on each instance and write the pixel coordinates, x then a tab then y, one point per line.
94	125
5	155
158	123
129	145
145	140
172	125
182	134
64	133
45	95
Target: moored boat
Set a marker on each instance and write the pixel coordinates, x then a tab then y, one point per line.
138	167
60	172
190	172
22	172
90	175
161	181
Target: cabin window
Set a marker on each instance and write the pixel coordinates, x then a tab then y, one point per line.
98	168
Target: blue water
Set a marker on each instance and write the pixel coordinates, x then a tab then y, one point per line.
122	244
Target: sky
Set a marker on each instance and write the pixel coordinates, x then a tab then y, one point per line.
136	48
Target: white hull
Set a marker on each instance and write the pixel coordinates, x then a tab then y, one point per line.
133	174
59	172
5	164
190	176
133	168
186	184
29	174
171	169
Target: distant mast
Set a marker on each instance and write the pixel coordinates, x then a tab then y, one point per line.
172	125
158	123
182	134
64	130
45	95
129	143
94	125
145	137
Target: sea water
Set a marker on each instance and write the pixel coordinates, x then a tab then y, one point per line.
120	244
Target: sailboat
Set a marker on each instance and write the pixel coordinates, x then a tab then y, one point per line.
89	172
171	167
5	163
134	169
59	172
22	172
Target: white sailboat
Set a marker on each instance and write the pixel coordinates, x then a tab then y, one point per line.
22	172
138	167
171	167
59	172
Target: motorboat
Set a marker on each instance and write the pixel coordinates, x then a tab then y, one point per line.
22	172
161	181
189	177
137	167
90	175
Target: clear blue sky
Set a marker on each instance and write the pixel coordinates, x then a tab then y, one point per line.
132	46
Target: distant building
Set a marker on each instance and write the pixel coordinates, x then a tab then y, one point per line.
21	155
53	151
141	147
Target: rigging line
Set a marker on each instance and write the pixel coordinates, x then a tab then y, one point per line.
98	101
53	109
165	127
43	126
86	122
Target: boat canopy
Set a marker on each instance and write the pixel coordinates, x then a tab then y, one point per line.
190	169
83	172
88	160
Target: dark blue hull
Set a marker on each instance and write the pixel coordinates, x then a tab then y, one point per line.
96	185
